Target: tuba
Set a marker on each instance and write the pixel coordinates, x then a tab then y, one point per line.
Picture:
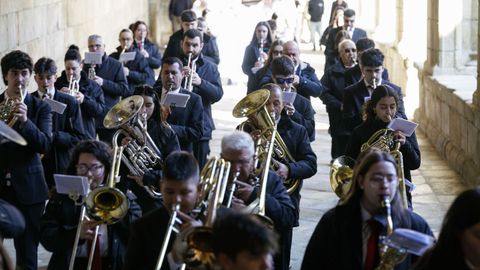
253	107
383	139
7	108
141	152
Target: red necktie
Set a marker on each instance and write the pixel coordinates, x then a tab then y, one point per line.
372	245
97	257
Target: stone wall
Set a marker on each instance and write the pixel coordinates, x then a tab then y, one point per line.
48	27
451	122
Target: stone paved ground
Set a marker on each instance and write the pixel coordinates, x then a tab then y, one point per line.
436	183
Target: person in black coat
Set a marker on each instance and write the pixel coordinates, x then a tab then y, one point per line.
164	139
90	94
380	110
348	235
295	137
315	10
301	110
206	82
138	71
336	5
110	76
238	149
354	96
355	34
334	83
276	50
175	10
457	246
179	187
210	46
354	74
22	181
186	122
145	46
67	126
256	53
59	224
174	46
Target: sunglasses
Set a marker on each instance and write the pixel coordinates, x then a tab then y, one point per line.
284	80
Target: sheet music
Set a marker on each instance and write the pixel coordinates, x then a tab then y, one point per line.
71	184
405	126
127	56
176	100
56	106
94	58
289	97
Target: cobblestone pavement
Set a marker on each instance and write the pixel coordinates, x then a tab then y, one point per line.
437	184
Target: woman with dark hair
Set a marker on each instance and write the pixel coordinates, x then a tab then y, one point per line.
276	50
164	138
347	235
147	48
59	223
458	245
379	111
90	94
256	52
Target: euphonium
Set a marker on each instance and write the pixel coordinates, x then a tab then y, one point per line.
341	172
142	154
384	140
253	107
7	108
73	86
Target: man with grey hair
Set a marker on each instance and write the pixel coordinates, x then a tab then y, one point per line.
238	149
110	76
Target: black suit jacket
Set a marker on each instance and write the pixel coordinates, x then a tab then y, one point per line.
67	130
186	122
23	162
354	98
139	72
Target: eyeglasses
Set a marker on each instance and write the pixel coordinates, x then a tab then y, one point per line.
377	180
284	80
83	169
350	50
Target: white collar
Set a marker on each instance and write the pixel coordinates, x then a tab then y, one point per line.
50	92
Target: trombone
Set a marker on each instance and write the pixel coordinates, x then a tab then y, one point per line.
106	204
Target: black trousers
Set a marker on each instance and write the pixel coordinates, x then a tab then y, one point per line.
339	145
201	150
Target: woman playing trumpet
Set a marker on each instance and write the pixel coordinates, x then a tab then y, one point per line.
380	110
91	159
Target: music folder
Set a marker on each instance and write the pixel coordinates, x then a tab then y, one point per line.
289	97
56	106
93	58
176	100
405	126
127	56
71	184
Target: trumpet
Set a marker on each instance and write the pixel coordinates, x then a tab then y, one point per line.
73	86
187	84
7	108
91	72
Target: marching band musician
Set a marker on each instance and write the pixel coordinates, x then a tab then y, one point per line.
186	122
137	71
164	138
251	245
256	53
354	96
21	173
111	78
380	110
91	159
347	236
296	139
90	94
179	186
238	149
206	82
334	82
301	110
147	48
67	127
276	50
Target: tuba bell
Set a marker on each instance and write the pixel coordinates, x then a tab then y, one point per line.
141	152
253	107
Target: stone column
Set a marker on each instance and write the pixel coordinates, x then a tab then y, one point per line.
386	24
476	95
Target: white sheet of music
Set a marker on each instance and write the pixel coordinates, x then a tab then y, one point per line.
289	97
405	126
94	58
127	56
71	184
176	100
56	106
